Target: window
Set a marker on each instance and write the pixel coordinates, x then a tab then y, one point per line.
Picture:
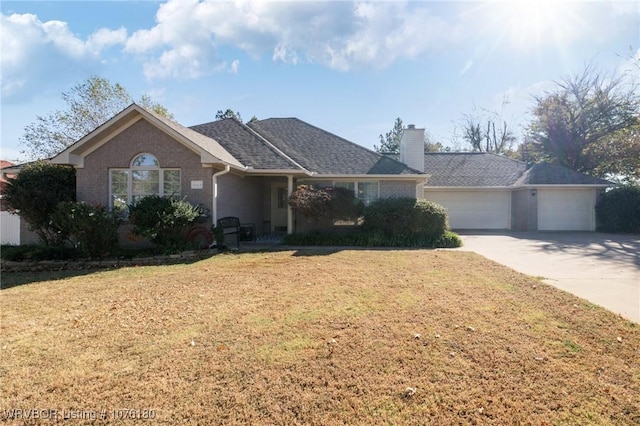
365	191
144	177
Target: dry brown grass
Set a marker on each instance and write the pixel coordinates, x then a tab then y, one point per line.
319	338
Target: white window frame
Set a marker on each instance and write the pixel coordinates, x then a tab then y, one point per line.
133	168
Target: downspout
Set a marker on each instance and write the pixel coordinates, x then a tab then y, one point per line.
214	186
289	209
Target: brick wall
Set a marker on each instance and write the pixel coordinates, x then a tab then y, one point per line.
142	137
397	188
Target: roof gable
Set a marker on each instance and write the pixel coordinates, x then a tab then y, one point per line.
209	149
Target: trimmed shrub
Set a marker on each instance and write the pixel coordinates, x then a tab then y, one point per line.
36	191
94	228
618	210
374	239
37	252
336	203
165	221
405	217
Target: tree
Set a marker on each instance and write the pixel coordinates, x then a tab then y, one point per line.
89	105
431	145
590	123
390	143
229	113
479	130
36	191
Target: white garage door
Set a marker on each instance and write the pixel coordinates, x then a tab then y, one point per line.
566	209
475	209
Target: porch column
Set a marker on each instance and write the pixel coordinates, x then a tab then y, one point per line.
289	210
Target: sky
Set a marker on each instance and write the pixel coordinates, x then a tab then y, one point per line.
350	68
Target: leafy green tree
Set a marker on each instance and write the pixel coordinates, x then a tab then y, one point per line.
35	192
390	142
618	210
229	113
589	123
89	105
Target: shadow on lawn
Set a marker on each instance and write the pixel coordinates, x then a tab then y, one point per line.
15	279
18	278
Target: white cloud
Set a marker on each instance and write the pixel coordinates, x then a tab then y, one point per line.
338	35
105	38
35	52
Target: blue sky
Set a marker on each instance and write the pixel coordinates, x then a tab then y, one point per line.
348	67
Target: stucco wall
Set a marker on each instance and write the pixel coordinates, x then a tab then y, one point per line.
142	137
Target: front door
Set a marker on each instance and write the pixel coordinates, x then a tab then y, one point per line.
279	198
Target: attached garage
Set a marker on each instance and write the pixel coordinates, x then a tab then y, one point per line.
561	209
487	191
479	209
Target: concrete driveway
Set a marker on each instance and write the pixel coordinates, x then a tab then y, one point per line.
602	268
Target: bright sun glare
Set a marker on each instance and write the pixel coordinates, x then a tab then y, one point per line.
533	23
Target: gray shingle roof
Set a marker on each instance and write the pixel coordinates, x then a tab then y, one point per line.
551	174
471	169
244	145
323	152
481	169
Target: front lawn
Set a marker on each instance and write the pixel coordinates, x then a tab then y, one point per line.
318	337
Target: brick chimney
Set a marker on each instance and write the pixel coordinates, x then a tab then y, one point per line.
412	147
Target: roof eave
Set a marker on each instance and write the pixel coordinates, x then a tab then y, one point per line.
372	176
279	172
565	185
463	188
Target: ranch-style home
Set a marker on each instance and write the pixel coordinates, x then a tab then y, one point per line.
231	168
248	170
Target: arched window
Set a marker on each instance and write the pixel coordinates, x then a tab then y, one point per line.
143	177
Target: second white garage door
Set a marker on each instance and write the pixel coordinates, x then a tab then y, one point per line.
566	209
475	209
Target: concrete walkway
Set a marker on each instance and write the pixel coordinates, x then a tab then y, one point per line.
602	268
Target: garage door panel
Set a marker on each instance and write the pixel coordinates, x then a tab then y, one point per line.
475	209
566	210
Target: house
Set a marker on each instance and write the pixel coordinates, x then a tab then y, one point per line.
491	192
248	170
231	168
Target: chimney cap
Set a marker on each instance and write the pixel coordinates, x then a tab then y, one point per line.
411	126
